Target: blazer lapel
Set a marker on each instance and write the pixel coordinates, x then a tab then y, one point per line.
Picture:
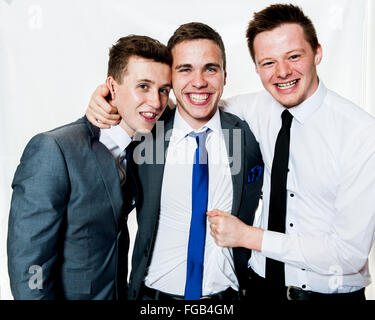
108	171
236	157
152	174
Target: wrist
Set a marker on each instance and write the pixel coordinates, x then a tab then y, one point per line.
254	238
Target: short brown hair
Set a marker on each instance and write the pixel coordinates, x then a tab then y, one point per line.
276	15
196	31
134	45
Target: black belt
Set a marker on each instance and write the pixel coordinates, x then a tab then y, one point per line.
261	288
153	294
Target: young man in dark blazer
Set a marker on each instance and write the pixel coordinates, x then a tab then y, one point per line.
162	267
72	192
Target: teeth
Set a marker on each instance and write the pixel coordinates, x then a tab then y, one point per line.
198	97
149	114
288	85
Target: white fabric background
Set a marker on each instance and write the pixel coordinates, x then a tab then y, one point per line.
54	53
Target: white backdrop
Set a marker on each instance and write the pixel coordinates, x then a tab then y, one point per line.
54	53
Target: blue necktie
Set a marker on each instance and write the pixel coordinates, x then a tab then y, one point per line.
197	235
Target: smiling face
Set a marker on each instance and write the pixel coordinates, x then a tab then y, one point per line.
198	79
287	64
143	94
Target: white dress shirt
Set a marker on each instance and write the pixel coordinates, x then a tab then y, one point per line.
167	269
330	217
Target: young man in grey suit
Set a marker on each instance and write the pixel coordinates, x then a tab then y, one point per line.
165	264
73	190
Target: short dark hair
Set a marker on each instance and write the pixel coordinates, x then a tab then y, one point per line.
276	15
196	31
134	45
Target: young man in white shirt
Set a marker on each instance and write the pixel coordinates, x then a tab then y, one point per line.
161	253
328	225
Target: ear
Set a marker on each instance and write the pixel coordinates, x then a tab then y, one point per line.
111	85
225	78
318	55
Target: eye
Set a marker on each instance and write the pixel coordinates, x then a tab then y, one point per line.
143	86
164	91
184	70
211	69
267	64
294	57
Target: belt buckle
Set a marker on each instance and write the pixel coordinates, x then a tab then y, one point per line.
288	293
205	298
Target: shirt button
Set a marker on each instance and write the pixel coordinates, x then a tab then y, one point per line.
133	202
303	286
292	195
291	224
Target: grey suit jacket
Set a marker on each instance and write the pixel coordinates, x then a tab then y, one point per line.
246	194
67	218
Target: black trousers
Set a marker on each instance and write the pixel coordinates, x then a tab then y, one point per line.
260	289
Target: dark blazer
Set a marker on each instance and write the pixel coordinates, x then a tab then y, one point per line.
246	194
67	217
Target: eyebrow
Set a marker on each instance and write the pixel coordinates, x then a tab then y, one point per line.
299	49
213	65
146	80
153	82
187	65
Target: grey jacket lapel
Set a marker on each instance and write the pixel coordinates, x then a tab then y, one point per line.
236	157
108	171
152	174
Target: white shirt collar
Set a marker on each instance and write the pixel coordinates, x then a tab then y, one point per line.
181	128
118	135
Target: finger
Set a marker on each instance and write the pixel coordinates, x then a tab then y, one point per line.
212	227
98	114
106	117
216	212
214	220
97	122
212	213
100	102
102	89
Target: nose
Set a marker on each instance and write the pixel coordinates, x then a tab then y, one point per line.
198	80
154	100
283	69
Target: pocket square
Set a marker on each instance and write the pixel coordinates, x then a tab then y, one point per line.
255	174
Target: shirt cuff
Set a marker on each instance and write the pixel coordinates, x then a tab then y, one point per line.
273	245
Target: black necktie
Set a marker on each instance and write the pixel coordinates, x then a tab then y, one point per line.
130	185
130	196
277	209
